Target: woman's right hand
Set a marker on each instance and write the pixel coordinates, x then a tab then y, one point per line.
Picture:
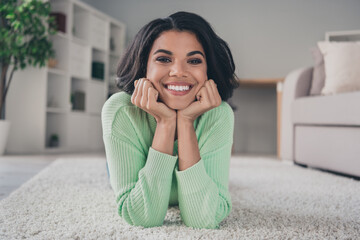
145	97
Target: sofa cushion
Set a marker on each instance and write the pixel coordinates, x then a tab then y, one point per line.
338	109
318	76
329	147
342	69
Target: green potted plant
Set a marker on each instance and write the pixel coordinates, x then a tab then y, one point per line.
25	28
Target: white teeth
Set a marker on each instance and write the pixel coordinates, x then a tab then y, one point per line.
178	88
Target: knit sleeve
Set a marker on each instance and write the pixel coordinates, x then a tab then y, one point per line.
204	198
140	179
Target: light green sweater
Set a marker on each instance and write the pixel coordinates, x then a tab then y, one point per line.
146	181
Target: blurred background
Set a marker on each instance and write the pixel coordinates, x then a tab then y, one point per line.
57	109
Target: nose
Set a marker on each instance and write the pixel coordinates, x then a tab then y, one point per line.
177	69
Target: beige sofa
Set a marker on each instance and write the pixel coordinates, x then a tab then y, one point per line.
320	131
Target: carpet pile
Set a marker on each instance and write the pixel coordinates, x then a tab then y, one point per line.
72	199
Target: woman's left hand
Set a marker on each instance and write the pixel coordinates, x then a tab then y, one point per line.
208	98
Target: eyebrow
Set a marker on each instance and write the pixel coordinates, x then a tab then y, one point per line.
170	53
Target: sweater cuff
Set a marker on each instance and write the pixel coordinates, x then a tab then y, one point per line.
193	179
160	164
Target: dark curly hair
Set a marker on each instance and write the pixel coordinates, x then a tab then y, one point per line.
220	63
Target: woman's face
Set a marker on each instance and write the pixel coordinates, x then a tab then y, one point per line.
177	68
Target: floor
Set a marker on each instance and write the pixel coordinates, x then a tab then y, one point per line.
16	170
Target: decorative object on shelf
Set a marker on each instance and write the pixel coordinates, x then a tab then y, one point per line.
60	21
54	140
52	63
112	44
26	22
78	100
97	71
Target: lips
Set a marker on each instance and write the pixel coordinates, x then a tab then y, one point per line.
178	88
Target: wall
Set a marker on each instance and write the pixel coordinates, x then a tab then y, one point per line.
267	38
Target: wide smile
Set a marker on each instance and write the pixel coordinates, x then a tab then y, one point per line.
178	88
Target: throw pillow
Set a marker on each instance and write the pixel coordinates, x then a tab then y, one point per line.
318	76
342	66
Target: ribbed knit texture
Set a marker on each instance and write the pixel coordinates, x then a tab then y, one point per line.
146	181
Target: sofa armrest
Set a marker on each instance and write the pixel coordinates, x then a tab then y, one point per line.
297	84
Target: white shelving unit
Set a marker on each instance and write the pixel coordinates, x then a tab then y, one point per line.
90	36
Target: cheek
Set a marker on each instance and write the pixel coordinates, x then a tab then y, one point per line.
155	73
149	71
201	77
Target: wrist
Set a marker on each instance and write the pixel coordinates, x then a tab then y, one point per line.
183	122
163	140
167	124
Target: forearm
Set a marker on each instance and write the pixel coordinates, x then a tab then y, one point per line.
164	136
204	199
188	148
142	185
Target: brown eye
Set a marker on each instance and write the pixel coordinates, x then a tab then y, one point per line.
195	61
163	59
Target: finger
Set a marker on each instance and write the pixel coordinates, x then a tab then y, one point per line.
212	84
144	99
216	92
153	95
139	92
134	94
212	99
203	95
210	92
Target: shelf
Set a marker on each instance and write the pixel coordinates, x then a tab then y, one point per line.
62	35
55	150
78	131
113	65
82	112
114	54
117	40
55	125
96	97
80	41
87	40
80	60
64	8
61	56
56	110
57	71
57	88
95	135
113	89
100	82
46	94
94	114
90	27
79	78
100	49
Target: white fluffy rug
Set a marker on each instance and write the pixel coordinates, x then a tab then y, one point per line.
71	199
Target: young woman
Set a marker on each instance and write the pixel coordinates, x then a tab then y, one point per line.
168	134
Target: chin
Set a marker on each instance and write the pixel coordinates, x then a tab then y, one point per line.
178	105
